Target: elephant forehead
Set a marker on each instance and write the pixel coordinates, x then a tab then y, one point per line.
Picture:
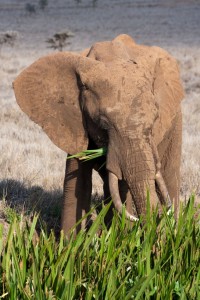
135	112
130	77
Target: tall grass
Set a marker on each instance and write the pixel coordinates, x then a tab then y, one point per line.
159	260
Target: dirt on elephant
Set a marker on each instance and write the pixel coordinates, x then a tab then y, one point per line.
32	167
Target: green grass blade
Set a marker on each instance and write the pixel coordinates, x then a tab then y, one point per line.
158	260
89	154
1	238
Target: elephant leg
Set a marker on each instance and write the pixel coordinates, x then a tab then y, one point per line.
77	193
171	161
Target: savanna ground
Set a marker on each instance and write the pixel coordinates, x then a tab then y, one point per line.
31	167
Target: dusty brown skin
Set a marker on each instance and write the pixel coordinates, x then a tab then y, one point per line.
116	94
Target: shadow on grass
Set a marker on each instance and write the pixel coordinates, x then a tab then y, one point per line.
33	199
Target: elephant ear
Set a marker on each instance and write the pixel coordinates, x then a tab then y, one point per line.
168	92
167	88
48	93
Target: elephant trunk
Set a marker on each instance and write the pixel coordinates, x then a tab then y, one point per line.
140	175
140	168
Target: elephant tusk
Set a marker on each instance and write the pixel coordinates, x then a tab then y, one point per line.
159	178
114	190
163	189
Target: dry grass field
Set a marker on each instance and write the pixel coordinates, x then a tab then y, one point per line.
31	167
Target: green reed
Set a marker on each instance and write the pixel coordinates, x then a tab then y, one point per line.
89	154
159	260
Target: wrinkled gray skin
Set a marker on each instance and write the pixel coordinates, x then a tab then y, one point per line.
117	94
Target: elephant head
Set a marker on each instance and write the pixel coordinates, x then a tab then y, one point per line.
120	95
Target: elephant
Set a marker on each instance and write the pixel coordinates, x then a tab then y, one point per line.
119	95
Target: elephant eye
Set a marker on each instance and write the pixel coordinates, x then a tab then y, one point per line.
81	84
104	122
84	86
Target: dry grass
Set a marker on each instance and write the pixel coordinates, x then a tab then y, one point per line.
29	162
190	67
